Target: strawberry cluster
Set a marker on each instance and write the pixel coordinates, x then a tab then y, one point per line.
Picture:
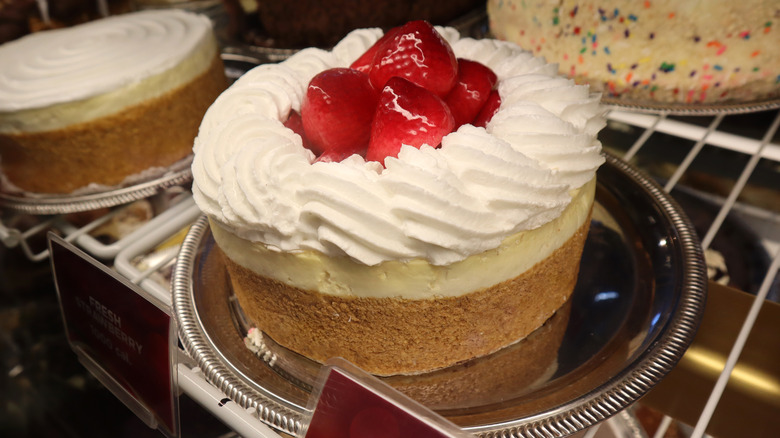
407	88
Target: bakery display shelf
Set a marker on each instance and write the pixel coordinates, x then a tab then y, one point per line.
102	232
731	164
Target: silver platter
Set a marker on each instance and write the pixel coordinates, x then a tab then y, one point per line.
636	307
46	204
683	109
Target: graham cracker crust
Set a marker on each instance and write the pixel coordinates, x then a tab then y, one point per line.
504	375
105	151
390	336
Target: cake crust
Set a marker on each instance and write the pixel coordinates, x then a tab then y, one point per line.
506	374
387	336
105	151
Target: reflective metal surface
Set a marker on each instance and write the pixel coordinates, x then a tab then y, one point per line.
43	204
690	109
638	302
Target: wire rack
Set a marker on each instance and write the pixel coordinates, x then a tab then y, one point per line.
728	162
732	163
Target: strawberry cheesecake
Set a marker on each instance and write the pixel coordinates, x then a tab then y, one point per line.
407	200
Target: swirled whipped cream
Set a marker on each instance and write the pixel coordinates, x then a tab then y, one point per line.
254	178
100	67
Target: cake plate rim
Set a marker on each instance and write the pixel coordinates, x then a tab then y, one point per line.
690	109
178	173
604	400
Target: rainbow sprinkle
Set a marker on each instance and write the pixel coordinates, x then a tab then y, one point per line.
596	34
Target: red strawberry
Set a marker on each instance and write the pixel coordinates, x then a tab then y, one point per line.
407	114
418	53
295	123
488	110
366	60
337	110
475	82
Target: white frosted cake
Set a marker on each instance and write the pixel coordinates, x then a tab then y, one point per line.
445	253
102	101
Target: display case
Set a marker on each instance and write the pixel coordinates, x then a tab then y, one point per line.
720	166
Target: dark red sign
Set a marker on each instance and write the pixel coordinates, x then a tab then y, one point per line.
353	404
126	335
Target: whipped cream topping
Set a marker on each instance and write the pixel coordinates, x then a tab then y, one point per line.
253	176
80	62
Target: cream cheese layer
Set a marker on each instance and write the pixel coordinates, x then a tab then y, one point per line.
414	279
255	180
53	79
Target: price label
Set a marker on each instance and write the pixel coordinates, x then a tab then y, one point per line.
348	402
118	331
